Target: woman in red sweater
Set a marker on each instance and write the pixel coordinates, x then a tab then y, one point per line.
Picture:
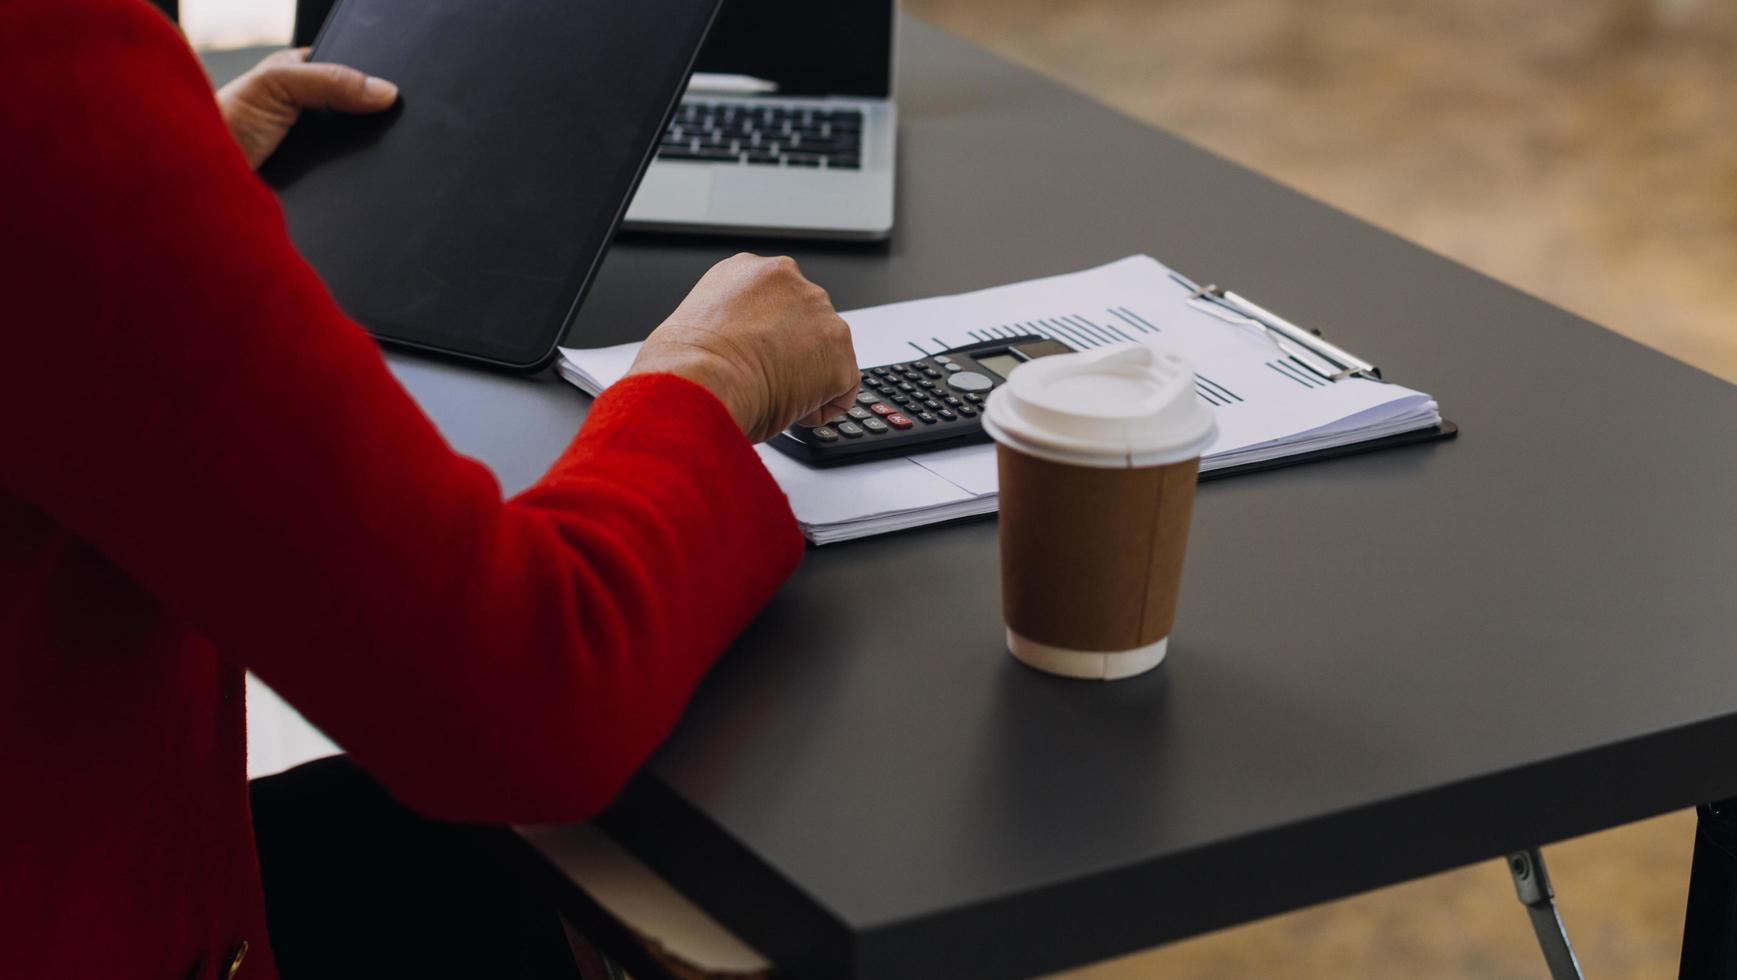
206	468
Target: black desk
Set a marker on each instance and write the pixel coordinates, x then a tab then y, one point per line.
1383	667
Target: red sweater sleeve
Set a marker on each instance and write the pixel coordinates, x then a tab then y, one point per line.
178	389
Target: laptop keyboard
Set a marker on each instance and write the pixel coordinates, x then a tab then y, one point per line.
764	135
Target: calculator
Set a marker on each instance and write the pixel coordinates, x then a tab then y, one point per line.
933	402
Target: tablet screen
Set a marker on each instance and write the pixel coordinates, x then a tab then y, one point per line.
470	218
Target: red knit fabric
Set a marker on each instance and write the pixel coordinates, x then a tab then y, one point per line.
205	468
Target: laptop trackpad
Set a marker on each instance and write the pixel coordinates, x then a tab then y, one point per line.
672	192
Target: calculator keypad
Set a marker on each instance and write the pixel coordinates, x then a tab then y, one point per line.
971	381
934	394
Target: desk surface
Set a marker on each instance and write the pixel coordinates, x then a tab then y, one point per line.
1383	666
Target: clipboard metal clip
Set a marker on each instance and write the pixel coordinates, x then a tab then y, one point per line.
1309	348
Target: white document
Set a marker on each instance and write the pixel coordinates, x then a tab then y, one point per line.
1267	405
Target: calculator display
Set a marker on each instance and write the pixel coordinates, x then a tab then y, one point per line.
1002	364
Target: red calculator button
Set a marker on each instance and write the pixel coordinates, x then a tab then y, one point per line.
898	421
882	408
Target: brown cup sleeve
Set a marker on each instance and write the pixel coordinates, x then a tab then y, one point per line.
1091	558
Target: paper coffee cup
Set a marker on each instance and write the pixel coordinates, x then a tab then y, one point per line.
1098	455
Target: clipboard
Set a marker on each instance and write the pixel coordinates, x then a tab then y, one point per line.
1446	430
1239	356
1322	358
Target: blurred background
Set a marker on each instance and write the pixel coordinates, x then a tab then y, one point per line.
1581	150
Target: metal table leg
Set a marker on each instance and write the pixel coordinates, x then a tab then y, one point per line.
1710	921
1532	884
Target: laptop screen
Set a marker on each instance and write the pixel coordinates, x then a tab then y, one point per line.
809	47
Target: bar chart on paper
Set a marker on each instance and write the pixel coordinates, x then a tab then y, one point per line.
1269	404
1079	331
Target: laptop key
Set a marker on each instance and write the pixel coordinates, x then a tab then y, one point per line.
766	136
702	155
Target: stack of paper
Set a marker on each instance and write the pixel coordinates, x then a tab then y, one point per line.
1268	406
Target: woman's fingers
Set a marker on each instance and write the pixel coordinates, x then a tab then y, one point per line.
301	85
263	104
831	410
288	56
763	339
845	380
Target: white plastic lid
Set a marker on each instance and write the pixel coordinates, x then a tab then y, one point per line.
1127	406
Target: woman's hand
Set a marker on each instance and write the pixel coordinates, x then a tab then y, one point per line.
763	339
262	105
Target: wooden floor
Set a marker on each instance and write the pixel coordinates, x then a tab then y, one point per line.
1582	150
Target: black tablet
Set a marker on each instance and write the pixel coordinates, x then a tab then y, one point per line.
471	218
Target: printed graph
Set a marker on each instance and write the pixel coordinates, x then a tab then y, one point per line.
1116	325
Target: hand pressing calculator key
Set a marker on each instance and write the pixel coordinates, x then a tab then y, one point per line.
933	402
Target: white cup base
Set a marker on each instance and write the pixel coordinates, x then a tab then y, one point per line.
1093	665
